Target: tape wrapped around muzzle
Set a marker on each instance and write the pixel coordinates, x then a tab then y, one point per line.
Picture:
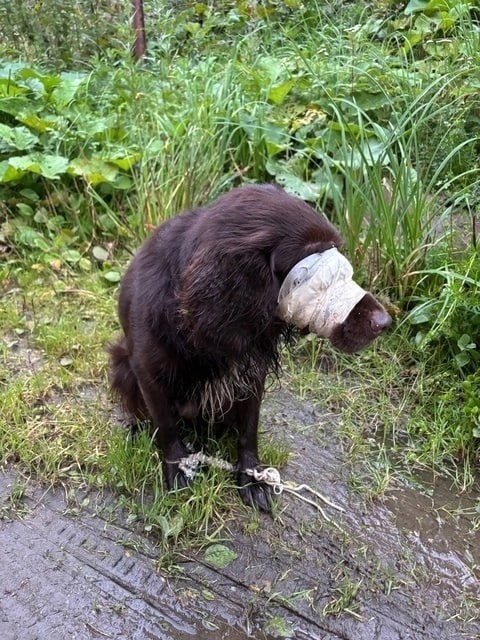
319	293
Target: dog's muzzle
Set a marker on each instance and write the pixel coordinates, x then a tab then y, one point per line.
319	293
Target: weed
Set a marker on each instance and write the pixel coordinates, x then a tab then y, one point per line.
55	418
14	506
345	592
379	139
450	314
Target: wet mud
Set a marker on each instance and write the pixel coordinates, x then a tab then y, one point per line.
406	567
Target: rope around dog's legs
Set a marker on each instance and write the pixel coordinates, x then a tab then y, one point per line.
269	475
190	463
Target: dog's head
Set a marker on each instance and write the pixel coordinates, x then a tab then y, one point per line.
319	295
365	322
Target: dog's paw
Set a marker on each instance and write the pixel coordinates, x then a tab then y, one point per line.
176	475
258	495
175	478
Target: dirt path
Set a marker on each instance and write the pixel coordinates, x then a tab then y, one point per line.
401	569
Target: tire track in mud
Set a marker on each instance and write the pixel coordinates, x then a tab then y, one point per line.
61	578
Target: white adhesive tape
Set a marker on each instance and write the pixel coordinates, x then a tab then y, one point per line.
319	293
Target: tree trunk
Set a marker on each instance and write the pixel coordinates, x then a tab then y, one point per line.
140	46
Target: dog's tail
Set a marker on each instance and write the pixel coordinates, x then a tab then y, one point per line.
123	381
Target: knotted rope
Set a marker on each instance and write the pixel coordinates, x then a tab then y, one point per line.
269	476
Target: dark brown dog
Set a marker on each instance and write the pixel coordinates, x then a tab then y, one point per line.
198	310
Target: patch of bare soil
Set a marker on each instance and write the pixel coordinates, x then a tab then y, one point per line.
402	568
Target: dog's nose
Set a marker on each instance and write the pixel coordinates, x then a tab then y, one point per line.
380	320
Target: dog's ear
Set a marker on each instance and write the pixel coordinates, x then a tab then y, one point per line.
227	300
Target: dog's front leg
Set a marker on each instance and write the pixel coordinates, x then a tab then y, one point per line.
254	493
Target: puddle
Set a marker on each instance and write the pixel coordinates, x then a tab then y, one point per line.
444	530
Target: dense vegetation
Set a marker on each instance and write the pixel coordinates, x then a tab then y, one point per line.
368	110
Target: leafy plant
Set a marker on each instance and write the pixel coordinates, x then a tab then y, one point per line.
448	318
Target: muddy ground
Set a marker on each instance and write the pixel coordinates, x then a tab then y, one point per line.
406	567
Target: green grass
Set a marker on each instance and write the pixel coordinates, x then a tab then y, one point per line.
382	137
400	413
53	381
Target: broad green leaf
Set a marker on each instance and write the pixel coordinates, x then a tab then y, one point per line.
126	162
278	93
25	209
30	238
9	88
40	82
435	6
155	147
370	152
426	25
85	264
18	137
71	255
13	106
271	67
201	8
172	527
367	101
9	69
9	173
93	170
276	138
350	128
420	338
465	342
192	27
296	186
36	86
68	87
95	126
39	124
462	359
49	166
41	215
329	184
112	276
416	5
220	556
296	165
30	194
420	315
122	181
